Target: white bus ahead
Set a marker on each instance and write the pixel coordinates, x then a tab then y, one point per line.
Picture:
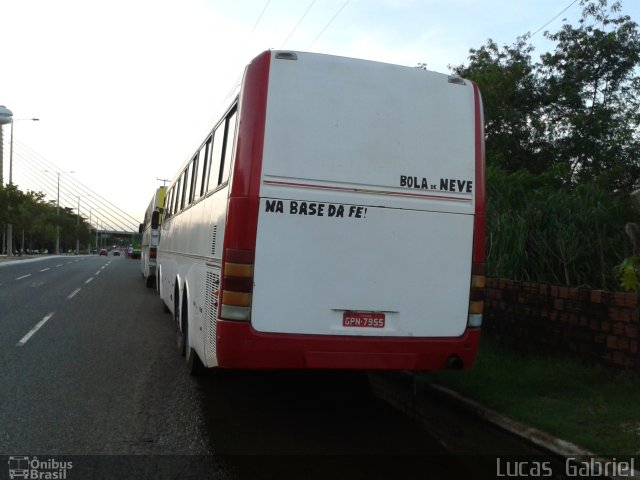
333	218
150	231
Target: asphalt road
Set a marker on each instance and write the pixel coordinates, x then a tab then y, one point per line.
89	368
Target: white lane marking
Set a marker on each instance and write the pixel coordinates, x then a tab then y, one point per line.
24	276
89	280
73	294
26	338
98	272
45	269
58	265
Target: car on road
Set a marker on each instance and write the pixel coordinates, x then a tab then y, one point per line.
116	253
103	251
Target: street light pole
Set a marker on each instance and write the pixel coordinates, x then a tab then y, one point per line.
5	117
57	252
9	225
89	242
14	120
78	225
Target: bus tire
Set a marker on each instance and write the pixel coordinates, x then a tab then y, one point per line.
194	365
150	281
177	315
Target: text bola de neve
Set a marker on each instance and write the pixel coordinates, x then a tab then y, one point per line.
573	468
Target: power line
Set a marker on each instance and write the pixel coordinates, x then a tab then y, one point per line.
327	25
31	167
564	10
73	185
255	25
298	24
260	17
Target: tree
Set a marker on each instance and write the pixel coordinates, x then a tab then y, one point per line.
592	106
512	100
562	143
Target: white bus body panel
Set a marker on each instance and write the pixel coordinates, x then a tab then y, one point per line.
191	254
396	249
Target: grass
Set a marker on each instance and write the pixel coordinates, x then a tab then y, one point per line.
590	406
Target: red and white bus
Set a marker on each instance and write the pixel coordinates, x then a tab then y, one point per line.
150	231
333	218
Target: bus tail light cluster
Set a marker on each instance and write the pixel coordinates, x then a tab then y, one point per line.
237	285
153	252
476	298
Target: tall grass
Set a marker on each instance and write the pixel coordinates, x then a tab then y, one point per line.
540	229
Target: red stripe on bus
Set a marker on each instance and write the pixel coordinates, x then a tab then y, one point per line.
480	220
244	347
242	214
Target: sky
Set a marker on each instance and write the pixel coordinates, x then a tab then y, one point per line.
126	90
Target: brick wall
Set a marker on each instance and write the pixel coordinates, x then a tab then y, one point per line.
595	325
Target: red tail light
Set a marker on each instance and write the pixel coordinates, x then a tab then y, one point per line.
237	284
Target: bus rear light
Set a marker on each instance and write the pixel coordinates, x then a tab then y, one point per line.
476	294
229	312
238	270
474	321
478	281
153	252
475	307
237	284
239	299
234	255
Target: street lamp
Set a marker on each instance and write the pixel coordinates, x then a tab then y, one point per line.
5	118
57	252
11	144
12	121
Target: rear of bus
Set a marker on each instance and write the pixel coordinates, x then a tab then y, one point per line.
355	229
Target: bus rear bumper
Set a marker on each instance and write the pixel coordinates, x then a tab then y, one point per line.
239	346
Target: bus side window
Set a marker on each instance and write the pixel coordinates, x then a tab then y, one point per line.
202	165
228	146
190	180
216	156
184	188
167	210
207	165
177	204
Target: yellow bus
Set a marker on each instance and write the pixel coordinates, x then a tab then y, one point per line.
150	231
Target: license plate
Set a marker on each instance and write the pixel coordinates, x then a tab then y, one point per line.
363	319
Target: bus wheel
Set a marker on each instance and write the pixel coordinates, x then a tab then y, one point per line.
194	365
180	332
150	281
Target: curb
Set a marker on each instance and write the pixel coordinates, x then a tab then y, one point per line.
543	440
4	260
539	438
466	427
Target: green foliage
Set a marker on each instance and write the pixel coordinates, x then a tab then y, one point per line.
34	221
562	143
541	230
628	272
